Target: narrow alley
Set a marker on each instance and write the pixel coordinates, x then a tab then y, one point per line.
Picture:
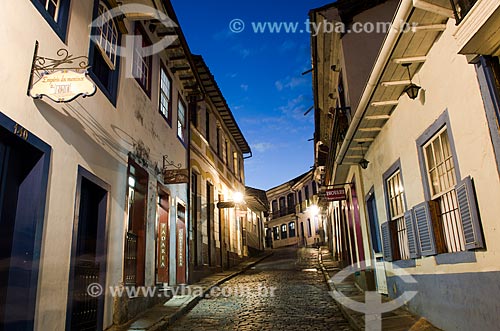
300	302
249	165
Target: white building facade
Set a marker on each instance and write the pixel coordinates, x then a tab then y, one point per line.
426	201
85	199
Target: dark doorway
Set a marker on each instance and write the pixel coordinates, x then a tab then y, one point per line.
194	216
374	226
210	218
23	186
88	258
222	235
135	241
181	244
303	238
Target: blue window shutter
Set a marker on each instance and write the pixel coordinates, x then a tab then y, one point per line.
469	214
424	233
386	241
411	234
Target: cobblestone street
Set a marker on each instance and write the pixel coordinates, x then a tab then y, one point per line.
300	301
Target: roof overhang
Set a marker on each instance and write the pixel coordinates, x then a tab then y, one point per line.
389	78
213	91
479	31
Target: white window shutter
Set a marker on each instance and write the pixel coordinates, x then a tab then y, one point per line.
469	214
425	233
412	236
386	241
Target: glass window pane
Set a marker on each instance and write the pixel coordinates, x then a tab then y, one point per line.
437	151
430	157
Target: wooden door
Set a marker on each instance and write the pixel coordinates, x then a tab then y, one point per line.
88	257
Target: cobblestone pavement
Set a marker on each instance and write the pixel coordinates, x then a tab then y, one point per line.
284	292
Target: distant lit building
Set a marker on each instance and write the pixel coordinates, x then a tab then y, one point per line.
217	149
294	219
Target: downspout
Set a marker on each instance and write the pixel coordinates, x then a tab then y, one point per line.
402	15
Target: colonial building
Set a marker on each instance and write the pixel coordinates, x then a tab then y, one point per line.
84	195
310	221
257	212
217	149
294	215
407	124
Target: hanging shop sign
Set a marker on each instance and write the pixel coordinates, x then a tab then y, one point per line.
176	176
59	79
335	194
63	86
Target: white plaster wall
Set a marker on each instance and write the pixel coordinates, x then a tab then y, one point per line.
449	83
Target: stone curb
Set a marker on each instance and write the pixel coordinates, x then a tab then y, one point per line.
331	286
168	320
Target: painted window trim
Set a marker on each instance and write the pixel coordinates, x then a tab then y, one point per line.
148	60
111	95
114	28
430	143
491	101
386	175
60	27
369	195
442	121
395	167
170	103
183	140
9	124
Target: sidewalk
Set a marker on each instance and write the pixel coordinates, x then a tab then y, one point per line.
161	316
396	320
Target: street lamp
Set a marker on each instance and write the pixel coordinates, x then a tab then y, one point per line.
238	197
412	89
314	209
363	162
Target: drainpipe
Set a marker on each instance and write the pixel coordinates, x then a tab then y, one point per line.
403	13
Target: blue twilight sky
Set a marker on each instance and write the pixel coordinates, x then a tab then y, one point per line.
260	77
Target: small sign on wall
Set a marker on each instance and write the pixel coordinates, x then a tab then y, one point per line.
63	86
176	176
335	194
61	79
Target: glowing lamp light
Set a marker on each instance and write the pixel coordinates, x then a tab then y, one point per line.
238	197
314	209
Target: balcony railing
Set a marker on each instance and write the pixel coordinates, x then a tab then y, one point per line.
130	259
461	8
283	212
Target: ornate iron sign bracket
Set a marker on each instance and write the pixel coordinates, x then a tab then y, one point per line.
62	79
167	163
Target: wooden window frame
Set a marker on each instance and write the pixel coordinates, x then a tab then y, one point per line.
58	22
181	125
109	28
146	62
397	225
162	93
